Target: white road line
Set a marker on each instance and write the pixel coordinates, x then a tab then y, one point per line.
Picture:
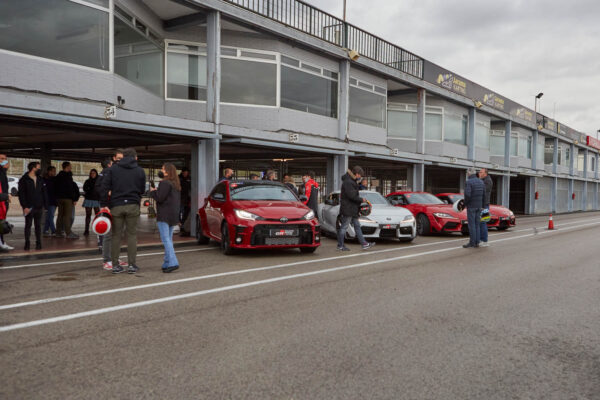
238	272
105	310
99	259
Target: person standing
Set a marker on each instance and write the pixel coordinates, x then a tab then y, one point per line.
185	183
91	199
4	165
32	196
311	191
489	184
126	182
167	197
289	182
49	226
270	175
63	187
364	184
227	175
350	202
474	198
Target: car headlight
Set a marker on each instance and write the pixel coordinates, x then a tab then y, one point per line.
241	214
409	218
512	214
443	215
366	220
309	215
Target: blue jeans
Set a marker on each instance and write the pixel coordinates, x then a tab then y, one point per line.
474	220
49	222
484	229
344	227
166	236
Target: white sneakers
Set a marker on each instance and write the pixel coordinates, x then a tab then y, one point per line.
5	246
484	244
109	266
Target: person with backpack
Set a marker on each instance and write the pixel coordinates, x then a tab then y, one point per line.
350	202
168	198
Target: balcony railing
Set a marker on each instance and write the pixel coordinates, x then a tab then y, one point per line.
311	20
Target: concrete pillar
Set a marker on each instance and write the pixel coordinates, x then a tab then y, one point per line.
570	199
336	168
505	179
471	134
344	117
585	183
555	171
596	166
572	160
213	63
507	133
534	149
417	183
462	182
555	157
421	112
505	190
204	173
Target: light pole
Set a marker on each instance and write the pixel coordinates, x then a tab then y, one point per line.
539	96
344	10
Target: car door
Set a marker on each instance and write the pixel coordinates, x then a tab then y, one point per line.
332	210
214	206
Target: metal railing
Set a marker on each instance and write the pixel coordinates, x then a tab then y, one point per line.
311	20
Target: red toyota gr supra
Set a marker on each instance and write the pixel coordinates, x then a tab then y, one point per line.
432	214
500	217
257	215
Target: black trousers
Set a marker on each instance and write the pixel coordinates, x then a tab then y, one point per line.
34	216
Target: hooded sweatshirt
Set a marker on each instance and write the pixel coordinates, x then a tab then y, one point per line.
311	191
126	181
350	199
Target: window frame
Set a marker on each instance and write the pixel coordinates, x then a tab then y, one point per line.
408	107
166	61
356	83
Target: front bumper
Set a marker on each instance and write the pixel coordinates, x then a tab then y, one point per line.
268	235
445	225
494	222
404	230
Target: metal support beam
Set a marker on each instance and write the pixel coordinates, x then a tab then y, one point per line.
185	21
585	183
213	90
471	134
505	190
343	120
534	149
507	133
421	109
572	160
418	177
336	167
570	199
204	173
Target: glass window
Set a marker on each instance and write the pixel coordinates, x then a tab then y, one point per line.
559	158
580	161
455	128
549	152
367	107
186	76
528	147
514	146
568	155
56	29
592	163
497	143
433	126
308	92
137	58
482	135
259	191
422	198
402	124
373	197
248	82
541	158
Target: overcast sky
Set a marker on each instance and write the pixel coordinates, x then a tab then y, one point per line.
516	48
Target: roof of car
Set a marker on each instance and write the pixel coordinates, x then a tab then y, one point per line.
449	194
255	182
406	192
360	190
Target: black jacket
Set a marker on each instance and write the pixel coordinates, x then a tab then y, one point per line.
474	192
167	203
32	194
98	187
350	199
292	187
49	182
89	189
186	190
126	181
489	184
63	185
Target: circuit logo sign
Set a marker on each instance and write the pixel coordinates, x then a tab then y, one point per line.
525	114
451	82
494	100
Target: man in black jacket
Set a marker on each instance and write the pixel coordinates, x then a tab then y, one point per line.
126	182
350	202
489	184
474	198
64	191
32	196
186	199
4	165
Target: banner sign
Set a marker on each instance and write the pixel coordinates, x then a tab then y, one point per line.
593	142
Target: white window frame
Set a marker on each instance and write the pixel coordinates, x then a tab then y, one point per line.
408	107
373	86
188	52
461	116
486	124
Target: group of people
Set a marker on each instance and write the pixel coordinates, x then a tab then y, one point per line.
478	191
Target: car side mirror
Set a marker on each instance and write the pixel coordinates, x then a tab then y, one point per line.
303	198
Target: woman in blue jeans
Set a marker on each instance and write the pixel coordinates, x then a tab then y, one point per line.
167	197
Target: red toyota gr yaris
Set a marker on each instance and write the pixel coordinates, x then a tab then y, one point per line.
257	215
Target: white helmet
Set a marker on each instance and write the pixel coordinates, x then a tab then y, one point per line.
102	223
459	205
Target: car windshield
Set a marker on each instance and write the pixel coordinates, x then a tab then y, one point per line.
373	198
261	192
422	198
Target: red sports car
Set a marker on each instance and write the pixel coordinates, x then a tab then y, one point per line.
501	217
257	215
432	214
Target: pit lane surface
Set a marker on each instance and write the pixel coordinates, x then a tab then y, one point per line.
427	320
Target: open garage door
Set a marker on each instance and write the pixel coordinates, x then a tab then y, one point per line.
443	179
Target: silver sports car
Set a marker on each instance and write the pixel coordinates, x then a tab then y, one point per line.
385	220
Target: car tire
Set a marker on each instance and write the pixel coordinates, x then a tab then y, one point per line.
423	225
225	241
502	228
200	238
308	250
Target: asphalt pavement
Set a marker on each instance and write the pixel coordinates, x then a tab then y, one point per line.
428	320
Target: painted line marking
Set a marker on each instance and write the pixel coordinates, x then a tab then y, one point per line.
105	310
237	272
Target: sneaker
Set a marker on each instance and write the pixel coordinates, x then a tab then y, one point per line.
72	236
468	245
170	269
342	248
5	246
38	245
368	245
132	269
107	266
48	234
58	235
484	244
123	263
117	269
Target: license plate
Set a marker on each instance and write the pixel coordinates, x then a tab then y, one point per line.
389	226
283	232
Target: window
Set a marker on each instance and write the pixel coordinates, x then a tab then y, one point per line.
310	89
137	58
580	161
433	125
568	155
455	128
549	152
514	145
367	103
249	78
482	134
540	154
592	163
528	147
57	29
186	71
497	143
402	122
560	153
260	191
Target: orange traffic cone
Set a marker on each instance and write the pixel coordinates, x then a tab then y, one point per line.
550	223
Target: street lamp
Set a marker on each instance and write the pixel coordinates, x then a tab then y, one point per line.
344	10
539	96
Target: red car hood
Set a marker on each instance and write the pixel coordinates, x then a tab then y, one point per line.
273	209
498	211
440	208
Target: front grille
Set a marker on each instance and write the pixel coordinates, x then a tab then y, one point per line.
406	230
261	234
451	225
368	230
387	233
